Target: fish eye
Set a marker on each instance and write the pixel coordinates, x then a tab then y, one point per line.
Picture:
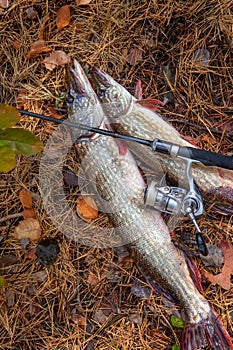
69	99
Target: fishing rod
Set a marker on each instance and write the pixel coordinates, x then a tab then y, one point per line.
167	199
167	148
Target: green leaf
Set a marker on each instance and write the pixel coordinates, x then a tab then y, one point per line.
9	116
175	347
21	141
7	157
2	281
177	322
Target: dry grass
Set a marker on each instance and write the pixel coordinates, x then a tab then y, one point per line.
104	34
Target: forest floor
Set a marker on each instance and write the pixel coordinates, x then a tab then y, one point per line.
182	51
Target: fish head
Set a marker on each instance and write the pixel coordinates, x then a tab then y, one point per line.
115	99
82	103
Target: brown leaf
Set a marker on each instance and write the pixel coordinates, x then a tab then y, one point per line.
31	255
8	260
134	56
86	208
63	17
29	228
78	319
56	58
25	198
17	45
135	318
92	279
40	276
37	48
224	278
31	13
4	4
10	297
53	112
82	2
100	317
29	213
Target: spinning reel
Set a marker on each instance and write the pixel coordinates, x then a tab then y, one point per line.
179	201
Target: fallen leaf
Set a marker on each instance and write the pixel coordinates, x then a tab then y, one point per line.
54	113
77	318
10	297
29	228
92	279
55	59
135	318
227	125
37	48
70	178
7	158
215	257
29	213
134	56
223	278
30	255
177	322
31	13
47	251
21	141
17	45
2	281
63	17
9	116
25	198
24	242
201	57
4	4
82	2
140	290
100	317
40	276
8	260
86	208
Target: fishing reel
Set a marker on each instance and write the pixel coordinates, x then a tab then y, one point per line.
179	201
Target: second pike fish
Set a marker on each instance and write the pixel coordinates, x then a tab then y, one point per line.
131	118
111	168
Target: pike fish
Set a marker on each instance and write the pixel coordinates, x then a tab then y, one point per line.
111	168
131	118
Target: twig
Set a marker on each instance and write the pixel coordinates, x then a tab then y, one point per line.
11	216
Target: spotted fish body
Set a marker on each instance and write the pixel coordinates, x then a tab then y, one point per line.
131	118
111	168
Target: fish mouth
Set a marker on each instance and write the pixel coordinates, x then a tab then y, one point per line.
77	80
100	78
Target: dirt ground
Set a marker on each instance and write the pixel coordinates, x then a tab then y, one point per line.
85	300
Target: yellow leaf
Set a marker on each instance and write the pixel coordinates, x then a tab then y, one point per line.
29	228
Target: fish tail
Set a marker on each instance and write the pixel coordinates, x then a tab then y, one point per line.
197	336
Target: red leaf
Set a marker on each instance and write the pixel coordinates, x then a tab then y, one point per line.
37	48
63	17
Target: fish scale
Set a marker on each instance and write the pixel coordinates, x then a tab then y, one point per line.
117	181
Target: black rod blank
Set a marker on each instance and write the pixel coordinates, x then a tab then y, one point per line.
164	147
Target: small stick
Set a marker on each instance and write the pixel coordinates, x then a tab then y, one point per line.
11	216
